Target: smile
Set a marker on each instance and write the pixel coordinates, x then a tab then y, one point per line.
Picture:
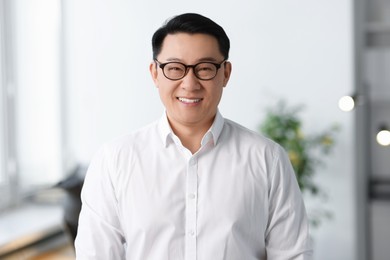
188	100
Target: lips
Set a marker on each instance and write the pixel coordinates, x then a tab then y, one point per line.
189	100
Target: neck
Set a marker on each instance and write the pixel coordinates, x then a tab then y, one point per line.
190	136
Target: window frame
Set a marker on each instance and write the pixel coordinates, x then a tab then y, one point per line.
7	139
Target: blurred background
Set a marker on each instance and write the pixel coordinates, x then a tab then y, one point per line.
74	74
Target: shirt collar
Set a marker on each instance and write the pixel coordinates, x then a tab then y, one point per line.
165	129
215	130
213	133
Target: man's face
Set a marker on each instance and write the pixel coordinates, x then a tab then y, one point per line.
190	101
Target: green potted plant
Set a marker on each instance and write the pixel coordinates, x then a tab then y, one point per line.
306	152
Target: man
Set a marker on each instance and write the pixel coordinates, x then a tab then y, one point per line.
192	185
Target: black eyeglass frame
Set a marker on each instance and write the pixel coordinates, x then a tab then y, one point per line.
187	67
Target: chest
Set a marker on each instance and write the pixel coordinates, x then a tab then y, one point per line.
210	191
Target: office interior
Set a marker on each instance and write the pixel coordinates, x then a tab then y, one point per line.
75	74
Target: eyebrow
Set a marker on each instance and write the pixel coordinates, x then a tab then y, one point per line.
205	59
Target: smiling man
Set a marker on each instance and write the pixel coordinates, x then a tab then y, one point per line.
190	94
192	185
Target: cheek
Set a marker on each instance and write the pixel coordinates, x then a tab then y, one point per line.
166	91
162	91
163	96
160	79
216	94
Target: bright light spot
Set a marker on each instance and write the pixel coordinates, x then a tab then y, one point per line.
383	137
346	103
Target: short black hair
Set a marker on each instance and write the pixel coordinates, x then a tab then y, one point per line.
191	23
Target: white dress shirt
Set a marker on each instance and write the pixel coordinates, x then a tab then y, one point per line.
146	197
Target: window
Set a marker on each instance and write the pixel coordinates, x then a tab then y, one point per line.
31	151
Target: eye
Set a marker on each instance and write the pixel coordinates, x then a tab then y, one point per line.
206	67
174	67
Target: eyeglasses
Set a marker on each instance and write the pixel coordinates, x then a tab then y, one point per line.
178	70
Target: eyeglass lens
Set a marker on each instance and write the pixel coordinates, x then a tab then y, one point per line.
205	70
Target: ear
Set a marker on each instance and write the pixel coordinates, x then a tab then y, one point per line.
227	73
153	72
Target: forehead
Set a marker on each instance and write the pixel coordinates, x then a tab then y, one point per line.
185	46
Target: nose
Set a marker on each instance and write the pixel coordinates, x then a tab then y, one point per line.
190	81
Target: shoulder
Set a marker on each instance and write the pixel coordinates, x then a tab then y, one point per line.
243	135
136	140
259	152
253	145
123	151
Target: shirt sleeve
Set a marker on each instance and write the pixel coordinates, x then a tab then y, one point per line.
99	235
287	235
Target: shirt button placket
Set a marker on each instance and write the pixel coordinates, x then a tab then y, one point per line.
191	204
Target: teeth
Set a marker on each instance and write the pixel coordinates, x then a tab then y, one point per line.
187	100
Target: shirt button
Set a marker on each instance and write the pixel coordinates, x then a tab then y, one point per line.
191	196
192	233
192	162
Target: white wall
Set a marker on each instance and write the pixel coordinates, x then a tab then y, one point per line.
297	50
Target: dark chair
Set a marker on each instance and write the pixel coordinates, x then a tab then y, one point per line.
72	203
